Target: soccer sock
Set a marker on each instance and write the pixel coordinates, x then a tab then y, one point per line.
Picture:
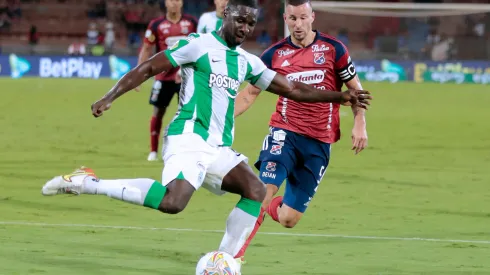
146	192
155	128
273	207
258	223
239	225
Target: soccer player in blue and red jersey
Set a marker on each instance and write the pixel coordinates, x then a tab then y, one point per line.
297	149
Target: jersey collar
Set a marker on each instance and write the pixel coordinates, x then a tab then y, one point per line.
215	34
290	42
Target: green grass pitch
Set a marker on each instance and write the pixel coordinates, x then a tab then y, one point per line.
426	175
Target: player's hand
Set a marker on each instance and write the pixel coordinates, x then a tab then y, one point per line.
356	97
137	89
100	107
359	135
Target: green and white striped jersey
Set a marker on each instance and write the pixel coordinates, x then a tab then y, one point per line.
209	22
212	74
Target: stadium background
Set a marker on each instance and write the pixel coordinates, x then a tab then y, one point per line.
416	46
416	201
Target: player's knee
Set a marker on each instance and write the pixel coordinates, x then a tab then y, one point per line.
173	204
288	222
172	208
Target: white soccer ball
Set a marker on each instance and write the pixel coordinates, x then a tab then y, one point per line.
217	263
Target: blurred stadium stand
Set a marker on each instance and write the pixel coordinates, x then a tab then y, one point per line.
51	26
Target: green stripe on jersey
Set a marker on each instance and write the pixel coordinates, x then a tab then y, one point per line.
200	103
204	96
232	66
219	23
250	77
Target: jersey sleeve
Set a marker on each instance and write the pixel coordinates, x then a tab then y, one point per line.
258	74
184	51
343	63
266	57
151	33
201	25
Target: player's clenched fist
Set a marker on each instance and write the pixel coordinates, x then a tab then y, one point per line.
356	97
100	106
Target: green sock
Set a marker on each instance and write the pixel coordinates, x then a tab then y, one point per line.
155	195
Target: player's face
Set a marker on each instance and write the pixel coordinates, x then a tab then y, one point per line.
174	6
239	23
299	20
220	6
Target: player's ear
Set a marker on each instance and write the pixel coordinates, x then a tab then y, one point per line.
284	16
313	16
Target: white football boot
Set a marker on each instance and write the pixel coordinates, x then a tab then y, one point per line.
153	156
240	261
68	184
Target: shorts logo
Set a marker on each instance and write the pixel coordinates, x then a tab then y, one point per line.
319	58
268	175
200	166
276	149
271	166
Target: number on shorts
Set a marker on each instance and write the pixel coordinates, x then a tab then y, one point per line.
321	174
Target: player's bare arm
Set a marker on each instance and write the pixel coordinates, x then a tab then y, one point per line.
359	132
301	92
135	77
144	55
245	99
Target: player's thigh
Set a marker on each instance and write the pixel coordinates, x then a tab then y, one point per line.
277	157
226	161
303	183
162	93
187	157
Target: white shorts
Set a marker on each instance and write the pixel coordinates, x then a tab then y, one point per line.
201	164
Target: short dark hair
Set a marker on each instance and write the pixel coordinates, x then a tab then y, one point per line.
247	3
297	2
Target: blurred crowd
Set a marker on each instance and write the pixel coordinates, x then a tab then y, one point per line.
100	27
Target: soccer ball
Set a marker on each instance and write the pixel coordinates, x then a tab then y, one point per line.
217	263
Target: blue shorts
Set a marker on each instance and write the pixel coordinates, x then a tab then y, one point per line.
301	160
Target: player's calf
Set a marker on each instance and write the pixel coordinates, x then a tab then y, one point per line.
240	223
271	191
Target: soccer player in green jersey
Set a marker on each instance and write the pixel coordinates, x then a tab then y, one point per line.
197	151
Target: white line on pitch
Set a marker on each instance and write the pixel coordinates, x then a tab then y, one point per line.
263	233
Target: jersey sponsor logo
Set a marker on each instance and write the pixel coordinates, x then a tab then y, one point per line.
276	149
308	77
223	81
172	40
319	48
286	52
271	166
319	58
